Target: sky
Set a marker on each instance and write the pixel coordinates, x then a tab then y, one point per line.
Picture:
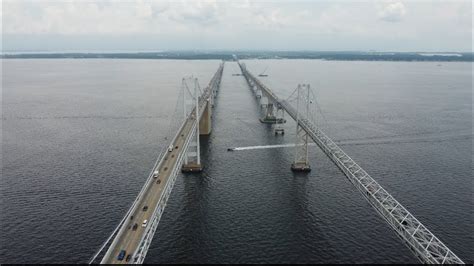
140	25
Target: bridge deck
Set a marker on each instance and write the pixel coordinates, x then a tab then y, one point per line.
130	239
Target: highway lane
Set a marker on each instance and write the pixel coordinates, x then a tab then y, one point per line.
130	240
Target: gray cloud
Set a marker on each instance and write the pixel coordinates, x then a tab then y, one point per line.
231	24
392	11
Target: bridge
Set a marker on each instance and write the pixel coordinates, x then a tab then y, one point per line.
132	237
135	231
424	244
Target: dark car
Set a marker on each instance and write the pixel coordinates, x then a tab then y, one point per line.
129	256
121	255
145	208
135	227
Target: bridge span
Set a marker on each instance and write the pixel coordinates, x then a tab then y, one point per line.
133	235
421	241
130	240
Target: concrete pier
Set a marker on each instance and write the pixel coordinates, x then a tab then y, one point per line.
300	167
192	168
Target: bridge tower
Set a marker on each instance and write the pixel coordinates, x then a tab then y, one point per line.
192	159
280	120
301	163
257	90
273	113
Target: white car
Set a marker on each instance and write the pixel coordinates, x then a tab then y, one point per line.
170	148
156	174
144	223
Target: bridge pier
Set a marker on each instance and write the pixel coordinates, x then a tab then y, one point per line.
270	117
301	163
280	113
205	124
191	168
203	115
258	92
192	159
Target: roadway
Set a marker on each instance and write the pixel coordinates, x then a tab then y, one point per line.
130	239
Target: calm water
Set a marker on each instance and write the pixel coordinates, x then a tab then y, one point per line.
80	136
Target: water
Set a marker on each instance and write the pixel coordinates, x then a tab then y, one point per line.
80	137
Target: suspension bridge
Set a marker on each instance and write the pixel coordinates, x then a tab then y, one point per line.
130	240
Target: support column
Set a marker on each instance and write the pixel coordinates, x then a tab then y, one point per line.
270	117
192	159
205	125
301	163
258	91
280	120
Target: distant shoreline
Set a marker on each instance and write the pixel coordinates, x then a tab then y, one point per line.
186	55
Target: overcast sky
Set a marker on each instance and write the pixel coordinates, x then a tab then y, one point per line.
107	25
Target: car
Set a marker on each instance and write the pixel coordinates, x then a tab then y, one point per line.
145	208
129	256
156	174
176	146
121	255
158	181
144	223
170	148
135	227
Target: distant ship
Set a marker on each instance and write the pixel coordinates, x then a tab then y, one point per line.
263	73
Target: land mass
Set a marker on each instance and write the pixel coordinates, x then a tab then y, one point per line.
229	55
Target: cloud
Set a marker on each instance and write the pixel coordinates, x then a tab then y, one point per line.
200	12
244	24
392	11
